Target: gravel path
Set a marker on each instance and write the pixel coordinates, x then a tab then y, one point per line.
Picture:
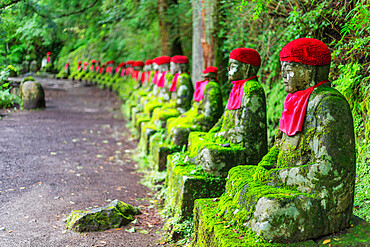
74	154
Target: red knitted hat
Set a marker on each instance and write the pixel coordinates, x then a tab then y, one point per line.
155	60
138	64
93	61
86	63
98	61
79	62
122	64
48	53
210	69
163	60
148	62
180	59
130	62
306	51
246	55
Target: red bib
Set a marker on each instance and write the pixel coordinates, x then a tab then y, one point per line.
66	66
199	90
48	59
294	112
155	78
174	83
142	77
162	79
236	94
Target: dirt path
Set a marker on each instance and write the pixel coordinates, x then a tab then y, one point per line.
72	155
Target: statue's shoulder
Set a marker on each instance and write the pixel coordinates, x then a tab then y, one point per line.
253	87
212	85
326	98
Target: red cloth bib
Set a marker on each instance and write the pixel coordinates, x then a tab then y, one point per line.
128	71
162	79
92	67
48	59
109	70
97	68
236	94
78	67
142	77
199	90
174	83
122	72
101	70
66	66
84	67
117	69
155	78
294	112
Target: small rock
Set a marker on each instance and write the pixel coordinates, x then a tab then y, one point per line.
33	95
115	215
2	229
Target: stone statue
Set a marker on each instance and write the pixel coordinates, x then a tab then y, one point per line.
138	68
206	110
304	187
240	135
47	63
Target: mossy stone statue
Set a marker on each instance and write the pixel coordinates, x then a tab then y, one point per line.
304	187
240	135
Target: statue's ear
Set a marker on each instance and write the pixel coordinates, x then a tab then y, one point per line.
248	70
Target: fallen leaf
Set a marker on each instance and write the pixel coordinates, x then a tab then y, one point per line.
143	231
118	229
105	141
22	188
326	241
72	202
99	156
53	153
132	230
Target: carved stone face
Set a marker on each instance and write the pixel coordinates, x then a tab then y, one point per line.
296	76
237	70
174	68
209	76
155	66
164	67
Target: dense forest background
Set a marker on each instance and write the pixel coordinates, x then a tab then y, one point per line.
143	29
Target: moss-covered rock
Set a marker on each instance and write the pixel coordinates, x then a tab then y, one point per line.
33	95
187	182
115	215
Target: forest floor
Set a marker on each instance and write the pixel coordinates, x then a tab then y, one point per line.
74	154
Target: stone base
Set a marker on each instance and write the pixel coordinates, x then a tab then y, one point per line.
211	230
160	154
147	130
187	182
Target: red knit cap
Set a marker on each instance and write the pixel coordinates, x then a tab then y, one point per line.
306	51
210	69
122	64
138	64
246	55
48	53
93	61
155	60
148	62
163	60
79	62
86	63
112	62
180	59
130	62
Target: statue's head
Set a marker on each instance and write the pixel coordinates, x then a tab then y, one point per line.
93	61
79	62
148	66
163	63
210	73
304	63
129	63
138	65
48	53
243	63
179	64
